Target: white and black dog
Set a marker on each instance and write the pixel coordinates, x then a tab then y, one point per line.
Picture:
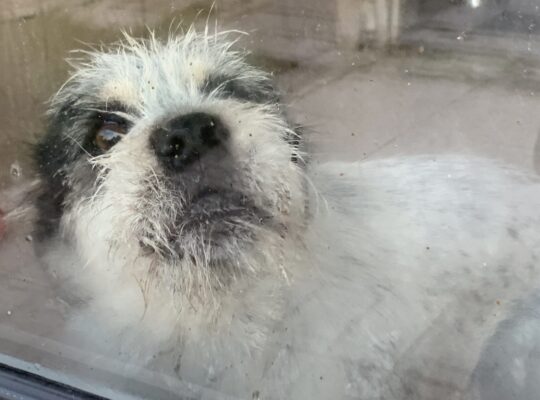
177	207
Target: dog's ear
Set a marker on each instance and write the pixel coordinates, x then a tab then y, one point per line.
49	203
52	156
57	147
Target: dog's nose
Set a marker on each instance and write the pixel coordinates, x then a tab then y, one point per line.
187	138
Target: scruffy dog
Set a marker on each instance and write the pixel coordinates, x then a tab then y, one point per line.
190	233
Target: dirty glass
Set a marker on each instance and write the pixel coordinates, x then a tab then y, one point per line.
366	80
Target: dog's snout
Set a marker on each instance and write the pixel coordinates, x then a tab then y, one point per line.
187	138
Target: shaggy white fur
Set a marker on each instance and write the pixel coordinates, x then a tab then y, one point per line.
352	264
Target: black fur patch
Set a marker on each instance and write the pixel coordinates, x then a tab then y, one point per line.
69	136
53	153
256	92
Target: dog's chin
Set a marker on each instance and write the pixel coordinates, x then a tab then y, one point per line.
215	226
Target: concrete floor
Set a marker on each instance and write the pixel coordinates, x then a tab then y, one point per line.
416	99
409	104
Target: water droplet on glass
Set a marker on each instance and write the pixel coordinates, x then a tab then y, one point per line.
15	169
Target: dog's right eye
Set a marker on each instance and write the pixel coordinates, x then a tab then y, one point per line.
109	133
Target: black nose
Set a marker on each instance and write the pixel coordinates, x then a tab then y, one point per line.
187	138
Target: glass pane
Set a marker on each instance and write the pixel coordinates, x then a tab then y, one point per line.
359	221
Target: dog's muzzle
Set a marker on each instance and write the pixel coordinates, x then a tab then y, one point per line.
215	213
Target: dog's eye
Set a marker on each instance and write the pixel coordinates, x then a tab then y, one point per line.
109	133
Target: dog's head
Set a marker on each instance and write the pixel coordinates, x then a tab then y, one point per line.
173	157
